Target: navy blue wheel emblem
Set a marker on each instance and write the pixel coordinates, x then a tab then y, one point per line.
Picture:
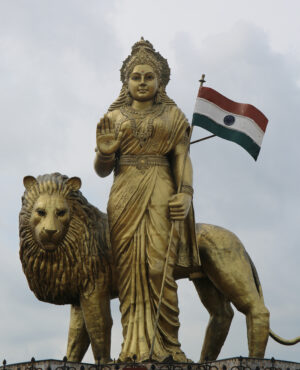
229	120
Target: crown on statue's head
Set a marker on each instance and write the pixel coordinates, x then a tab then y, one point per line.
143	52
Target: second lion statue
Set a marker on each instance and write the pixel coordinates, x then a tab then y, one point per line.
66	257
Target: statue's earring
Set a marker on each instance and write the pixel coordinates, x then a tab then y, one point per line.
128	96
158	96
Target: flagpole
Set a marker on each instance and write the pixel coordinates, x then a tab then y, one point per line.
202	139
179	185
206	137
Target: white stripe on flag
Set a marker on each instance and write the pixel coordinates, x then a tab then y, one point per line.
242	123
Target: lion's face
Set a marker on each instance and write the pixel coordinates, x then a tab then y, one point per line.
62	239
49	220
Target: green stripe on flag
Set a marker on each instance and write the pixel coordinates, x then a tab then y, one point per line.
226	133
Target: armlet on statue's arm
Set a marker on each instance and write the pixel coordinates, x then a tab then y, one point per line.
185	139
104	164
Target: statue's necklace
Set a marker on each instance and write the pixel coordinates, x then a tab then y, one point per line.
137	117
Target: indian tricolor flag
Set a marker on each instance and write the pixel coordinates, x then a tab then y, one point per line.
241	123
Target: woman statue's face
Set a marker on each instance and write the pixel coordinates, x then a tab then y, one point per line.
143	83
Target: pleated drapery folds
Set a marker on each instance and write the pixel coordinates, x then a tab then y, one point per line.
139	227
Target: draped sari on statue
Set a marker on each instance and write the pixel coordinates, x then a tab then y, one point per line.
140	225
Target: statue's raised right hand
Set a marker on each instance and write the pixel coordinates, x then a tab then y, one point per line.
107	143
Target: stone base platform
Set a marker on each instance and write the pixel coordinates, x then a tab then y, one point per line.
234	363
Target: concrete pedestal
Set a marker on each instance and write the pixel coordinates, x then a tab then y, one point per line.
235	363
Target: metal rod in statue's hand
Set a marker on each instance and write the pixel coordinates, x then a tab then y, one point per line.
170	241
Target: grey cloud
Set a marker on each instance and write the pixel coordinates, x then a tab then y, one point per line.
59	74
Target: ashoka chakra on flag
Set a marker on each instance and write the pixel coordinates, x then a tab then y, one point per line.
241	123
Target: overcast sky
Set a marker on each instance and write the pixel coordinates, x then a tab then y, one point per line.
59	72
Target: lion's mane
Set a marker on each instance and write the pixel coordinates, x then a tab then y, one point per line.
60	276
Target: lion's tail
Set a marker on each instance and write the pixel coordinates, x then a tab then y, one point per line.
283	341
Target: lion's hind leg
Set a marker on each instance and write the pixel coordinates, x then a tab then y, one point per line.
257	315
257	318
227	265
221	315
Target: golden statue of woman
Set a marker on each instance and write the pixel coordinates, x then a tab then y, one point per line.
144	138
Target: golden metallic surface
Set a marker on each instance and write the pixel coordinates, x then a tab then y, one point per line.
64	254
73	254
231	277
80	271
143	204
147	137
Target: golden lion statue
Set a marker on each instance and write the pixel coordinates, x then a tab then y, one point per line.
65	254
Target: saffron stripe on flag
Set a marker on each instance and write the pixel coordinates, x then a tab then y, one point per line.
241	109
241	123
